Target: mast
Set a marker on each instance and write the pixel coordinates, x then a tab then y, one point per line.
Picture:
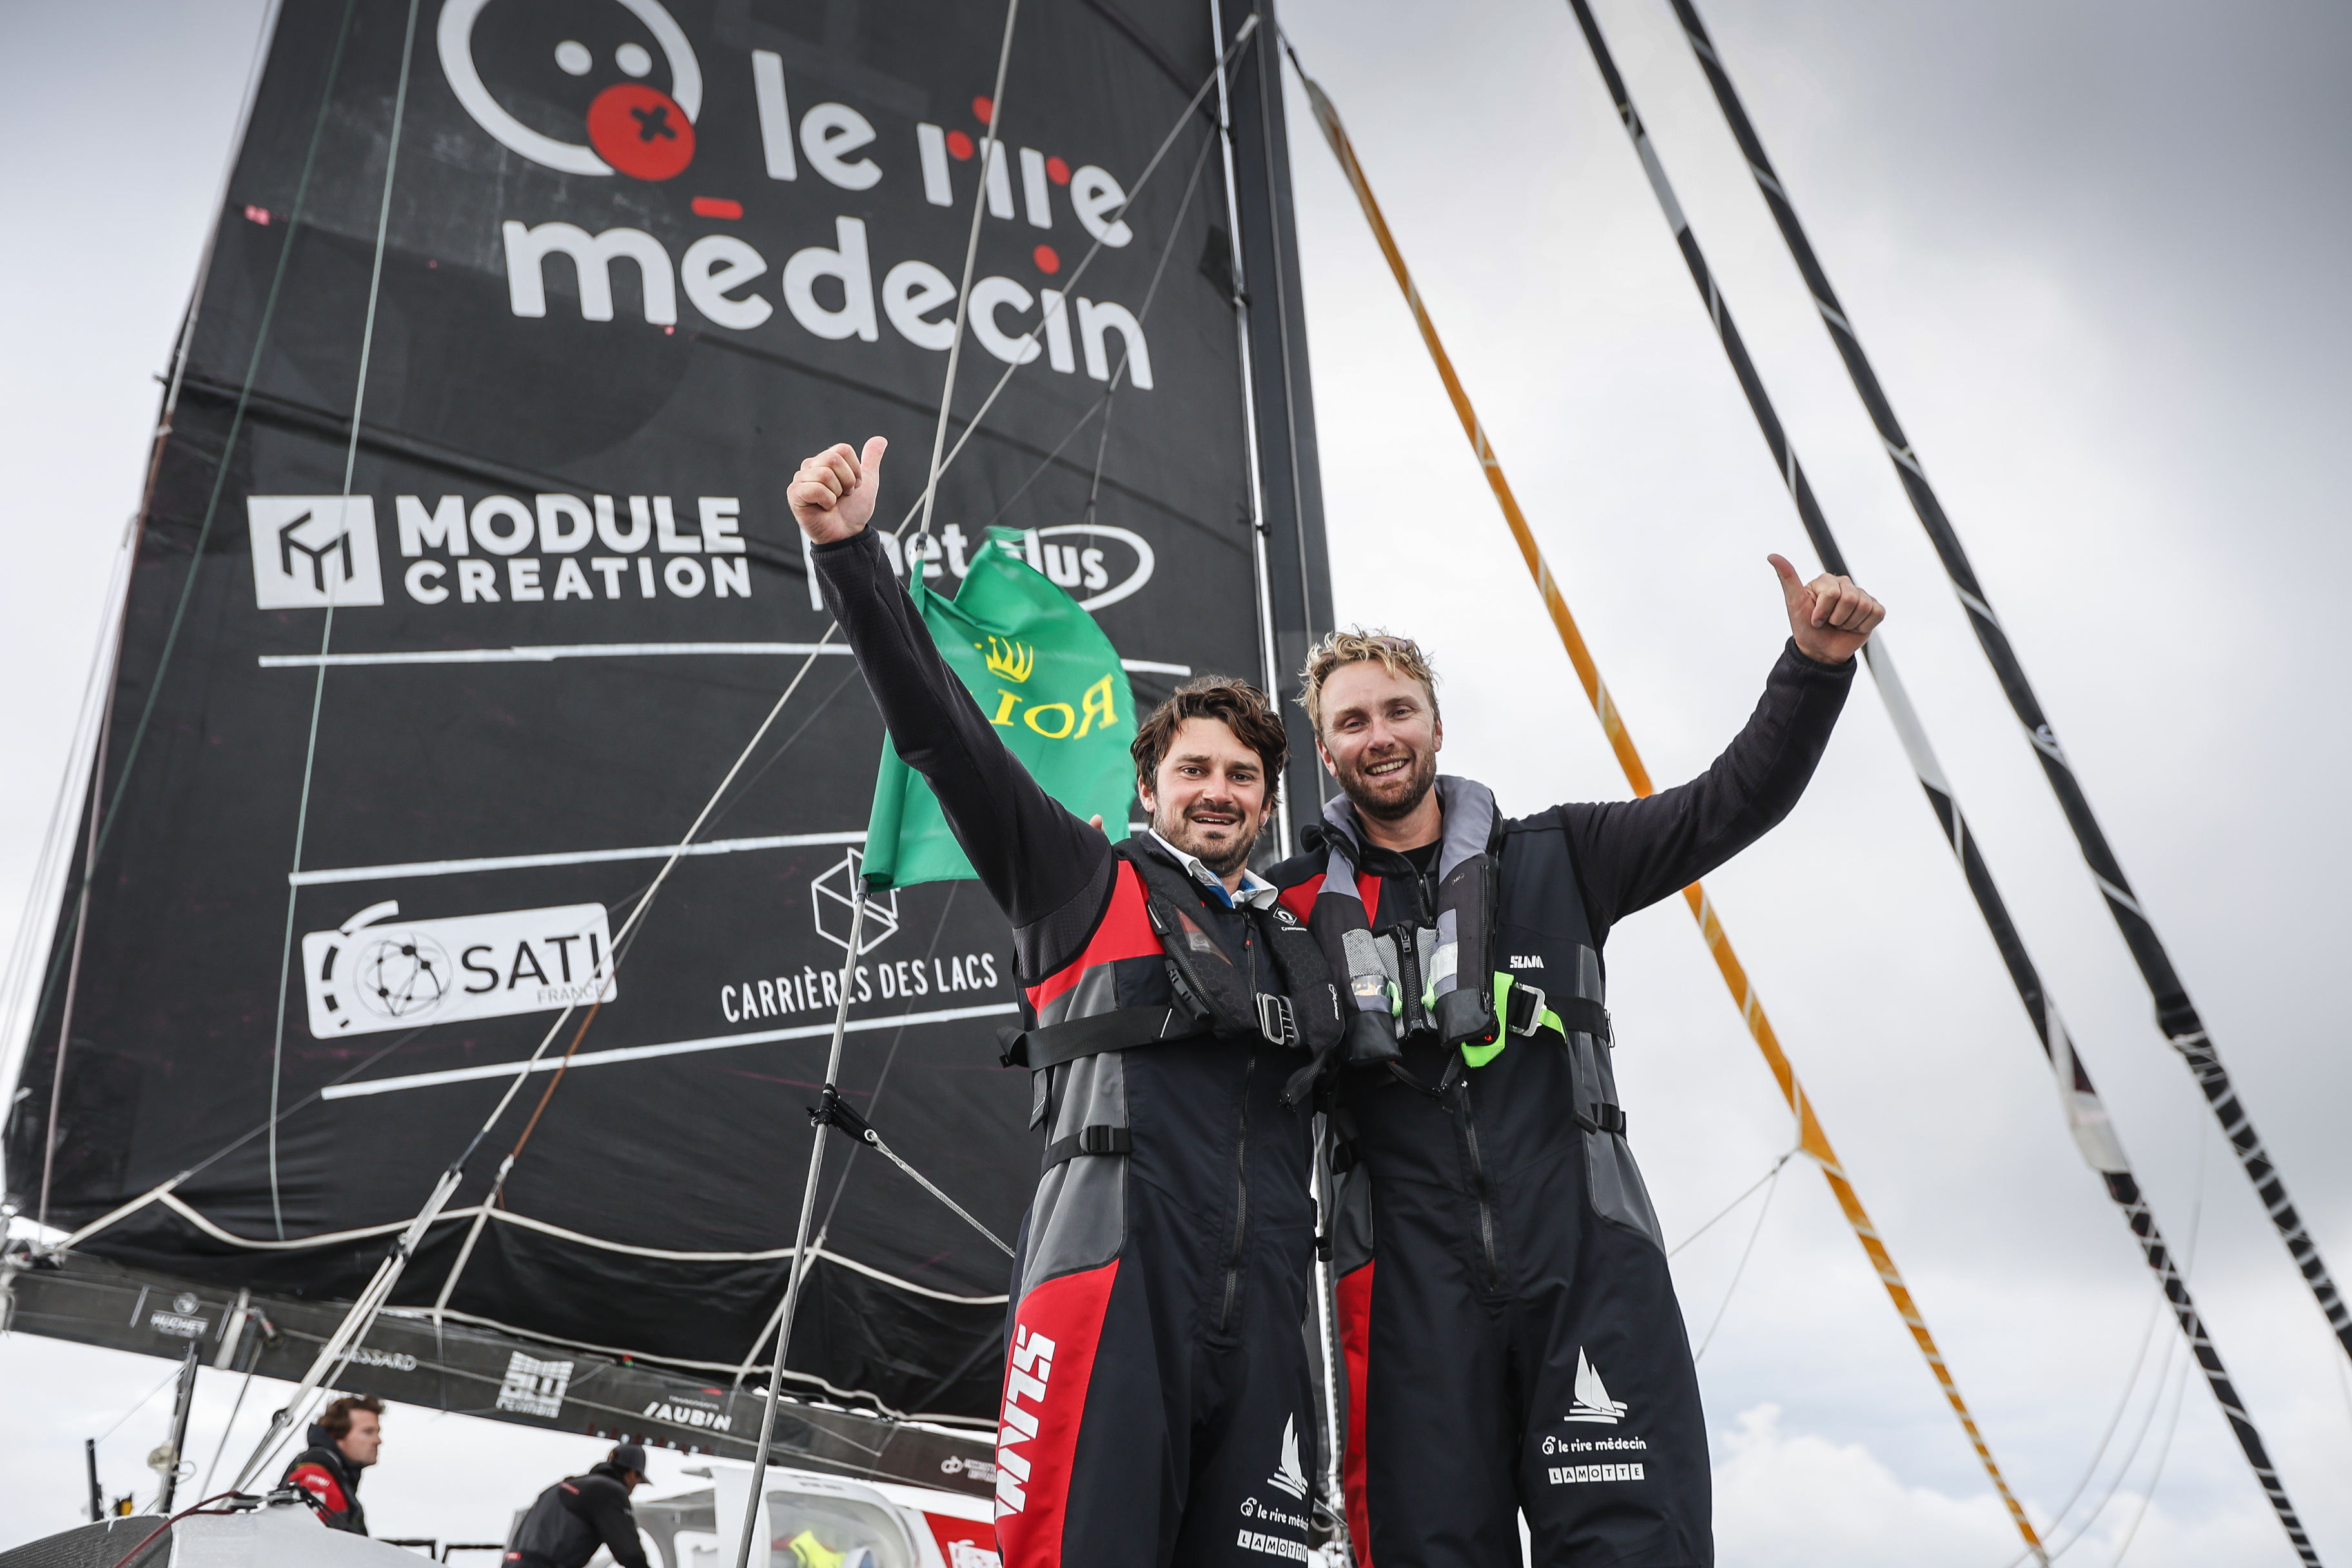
1811	1138
2086	1114
2175	1014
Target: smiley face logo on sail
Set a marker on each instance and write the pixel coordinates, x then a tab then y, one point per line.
631	127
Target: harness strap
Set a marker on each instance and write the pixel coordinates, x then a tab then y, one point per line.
1095	1140
1604	1118
1122	1028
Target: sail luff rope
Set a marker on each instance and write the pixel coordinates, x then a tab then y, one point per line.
1269	81
1811	1136
2087	1115
90	729
105	824
799	1270
991	155
2176	1015
327	625
114	619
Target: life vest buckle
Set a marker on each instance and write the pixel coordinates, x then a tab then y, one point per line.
1276	1021
1527	1002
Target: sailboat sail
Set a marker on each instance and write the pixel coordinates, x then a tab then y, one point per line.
412	708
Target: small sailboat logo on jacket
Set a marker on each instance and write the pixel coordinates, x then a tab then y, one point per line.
1290	1476
1592	1401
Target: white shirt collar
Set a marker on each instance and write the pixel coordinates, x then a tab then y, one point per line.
1255	890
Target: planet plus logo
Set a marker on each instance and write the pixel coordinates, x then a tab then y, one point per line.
633	126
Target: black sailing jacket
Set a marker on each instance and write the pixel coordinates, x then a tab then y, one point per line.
1567	875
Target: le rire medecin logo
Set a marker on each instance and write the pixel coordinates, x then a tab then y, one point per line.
634	130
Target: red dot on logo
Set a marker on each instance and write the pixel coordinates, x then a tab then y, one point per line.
1048	261
1057	171
641	132
983	109
959	146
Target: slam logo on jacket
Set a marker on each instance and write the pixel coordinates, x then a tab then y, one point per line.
375	971
1024	1381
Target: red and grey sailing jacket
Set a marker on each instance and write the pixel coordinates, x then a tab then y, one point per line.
1152	971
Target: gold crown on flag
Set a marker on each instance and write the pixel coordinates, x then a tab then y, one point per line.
1014	662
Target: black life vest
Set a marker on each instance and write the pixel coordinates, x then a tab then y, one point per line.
323	1454
1104	1000
557	1530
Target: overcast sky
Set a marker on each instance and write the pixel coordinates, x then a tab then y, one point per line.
2097	251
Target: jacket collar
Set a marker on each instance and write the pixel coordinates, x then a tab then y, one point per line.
1467	806
1255	890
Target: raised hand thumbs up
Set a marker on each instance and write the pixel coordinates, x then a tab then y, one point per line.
1828	616
833	495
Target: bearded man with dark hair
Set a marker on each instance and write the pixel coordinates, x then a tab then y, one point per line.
1157	1388
1508	1328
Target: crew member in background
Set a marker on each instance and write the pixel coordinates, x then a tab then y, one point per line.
344	1440
579	1513
1511	1337
1156	1396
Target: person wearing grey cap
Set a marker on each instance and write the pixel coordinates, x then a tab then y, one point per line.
579	1513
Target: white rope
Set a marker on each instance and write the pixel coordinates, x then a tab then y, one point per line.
808	1212
327	629
1771	1185
989	154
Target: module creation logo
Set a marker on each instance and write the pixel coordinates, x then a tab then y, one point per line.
375	973
311	552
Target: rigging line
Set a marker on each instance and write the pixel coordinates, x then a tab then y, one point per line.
890	1059
1029	338
1810	1135
236	422
1126	350
2176	1015
2131	1385
991	155
104	826
2088	1117
2163	1451
73	985
1102	403
253	1365
149	1398
1734	1203
313	1098
116	618
1772	1185
362	1313
45	891
1268	85
327	627
2164	1373
799	1270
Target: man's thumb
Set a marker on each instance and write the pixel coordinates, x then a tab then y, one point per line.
870	463
1792	587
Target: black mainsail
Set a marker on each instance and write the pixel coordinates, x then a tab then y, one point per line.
410	708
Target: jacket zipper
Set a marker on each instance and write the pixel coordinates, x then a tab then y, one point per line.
1241	1166
1241	1200
1479	1192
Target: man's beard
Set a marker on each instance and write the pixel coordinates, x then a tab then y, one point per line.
1223	858
1420	776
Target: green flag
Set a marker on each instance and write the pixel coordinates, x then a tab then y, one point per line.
1047	678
